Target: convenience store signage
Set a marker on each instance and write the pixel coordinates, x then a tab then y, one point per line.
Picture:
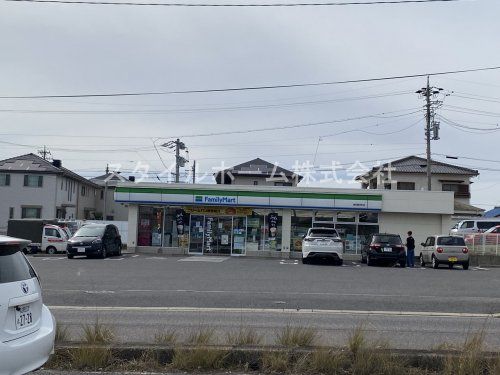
244	198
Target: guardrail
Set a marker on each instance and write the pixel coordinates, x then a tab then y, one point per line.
483	244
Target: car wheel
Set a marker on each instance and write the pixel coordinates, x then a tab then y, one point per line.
363	259
120	250
104	253
422	261
340	262
402	263
51	250
465	266
435	262
450	265
70	256
305	261
369	261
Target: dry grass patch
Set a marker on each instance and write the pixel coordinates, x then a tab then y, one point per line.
166	337
90	358
327	362
97	333
62	333
199	359
202	336
244	337
297	337
276	362
148	361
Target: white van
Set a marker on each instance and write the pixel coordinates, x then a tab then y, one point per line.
473	226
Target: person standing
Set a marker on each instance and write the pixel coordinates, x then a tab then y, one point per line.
410	250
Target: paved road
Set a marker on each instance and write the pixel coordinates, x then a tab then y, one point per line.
413	308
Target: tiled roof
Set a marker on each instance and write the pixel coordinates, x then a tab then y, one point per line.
461	207
31	163
416	164
258	166
493	213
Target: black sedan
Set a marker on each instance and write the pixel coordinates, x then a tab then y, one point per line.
383	247
95	240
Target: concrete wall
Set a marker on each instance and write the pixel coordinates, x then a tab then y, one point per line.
17	195
117	210
262	181
400	201
422	225
133	221
420	180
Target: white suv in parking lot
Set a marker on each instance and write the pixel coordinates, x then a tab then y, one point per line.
27	327
322	243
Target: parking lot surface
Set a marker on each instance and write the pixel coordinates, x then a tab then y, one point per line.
139	293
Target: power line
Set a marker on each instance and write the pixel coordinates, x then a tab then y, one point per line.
239	5
246	88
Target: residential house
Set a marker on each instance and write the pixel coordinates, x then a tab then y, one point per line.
32	187
410	173
257	172
106	207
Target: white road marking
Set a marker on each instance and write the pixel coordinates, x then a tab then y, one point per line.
275	311
204	259
134	256
289	262
54	258
156	258
114	259
99	292
480	269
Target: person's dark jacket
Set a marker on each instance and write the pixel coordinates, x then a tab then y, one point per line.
410	243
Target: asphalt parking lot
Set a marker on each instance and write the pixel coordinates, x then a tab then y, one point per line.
139	293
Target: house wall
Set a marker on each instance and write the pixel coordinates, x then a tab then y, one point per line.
117	210
17	195
262	181
420	181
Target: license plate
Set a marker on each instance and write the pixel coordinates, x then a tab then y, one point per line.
80	250
387	249
24	317
452	259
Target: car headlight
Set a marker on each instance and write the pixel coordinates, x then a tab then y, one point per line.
96	241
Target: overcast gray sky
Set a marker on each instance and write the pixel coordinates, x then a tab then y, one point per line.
74	49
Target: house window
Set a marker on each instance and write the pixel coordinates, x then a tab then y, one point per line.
4	179
387	186
256	182
460	190
84	191
102	194
33	180
406	185
283	184
11	212
31	212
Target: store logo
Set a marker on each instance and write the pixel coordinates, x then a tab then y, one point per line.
209	199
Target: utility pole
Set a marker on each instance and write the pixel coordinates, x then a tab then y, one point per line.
194	172
431	126
180	161
44	153
428	133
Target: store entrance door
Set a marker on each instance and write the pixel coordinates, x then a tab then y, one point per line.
218	235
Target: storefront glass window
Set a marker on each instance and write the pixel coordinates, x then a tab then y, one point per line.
368	217
348	234
150	226
272	230
255	232
346	217
196	232
364	232
324	216
301	222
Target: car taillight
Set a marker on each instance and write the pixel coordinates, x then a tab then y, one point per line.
439	249
400	247
375	246
465	250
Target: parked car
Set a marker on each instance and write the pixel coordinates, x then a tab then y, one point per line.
95	239
27	327
383	247
45	235
448	250
473	226
322	243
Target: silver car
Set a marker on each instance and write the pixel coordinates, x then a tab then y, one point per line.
449	250
27	328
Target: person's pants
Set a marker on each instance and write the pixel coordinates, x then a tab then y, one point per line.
410	257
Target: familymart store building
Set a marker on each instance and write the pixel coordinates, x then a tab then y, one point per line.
270	221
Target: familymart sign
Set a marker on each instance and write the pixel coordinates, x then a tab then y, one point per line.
236	198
